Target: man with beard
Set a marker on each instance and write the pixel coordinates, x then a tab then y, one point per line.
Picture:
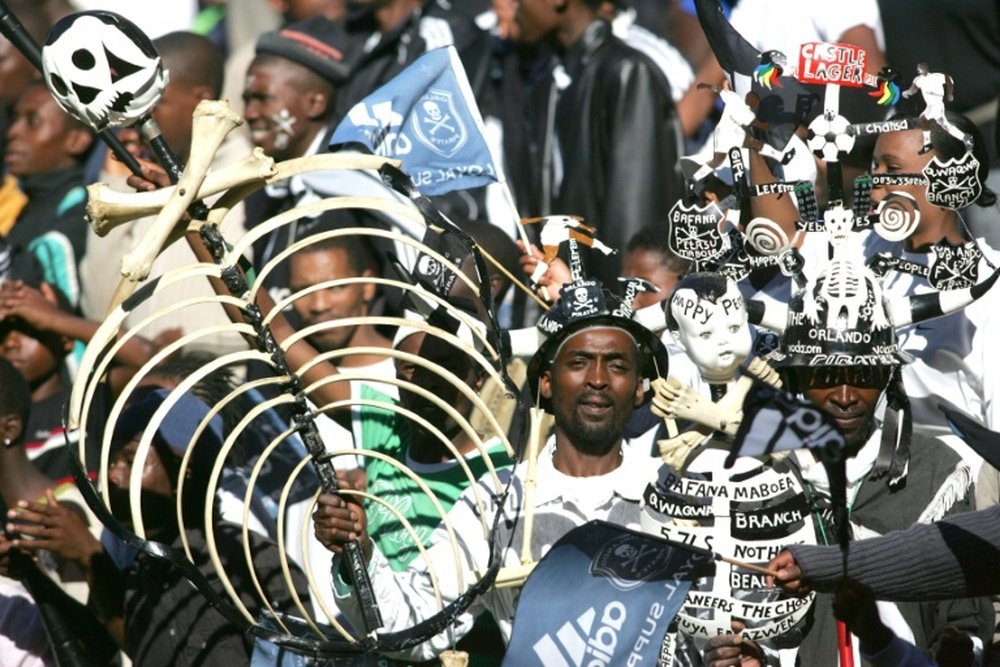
589	374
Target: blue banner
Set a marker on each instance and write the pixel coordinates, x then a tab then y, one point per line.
427	118
603	595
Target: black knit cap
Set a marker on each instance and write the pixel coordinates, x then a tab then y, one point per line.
312	44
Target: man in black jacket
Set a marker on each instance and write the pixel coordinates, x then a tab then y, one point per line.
601	128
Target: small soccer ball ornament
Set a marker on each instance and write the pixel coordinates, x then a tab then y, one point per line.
102	69
829	136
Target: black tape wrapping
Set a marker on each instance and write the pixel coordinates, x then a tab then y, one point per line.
303	420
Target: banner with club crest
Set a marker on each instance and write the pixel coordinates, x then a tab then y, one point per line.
427	118
603	595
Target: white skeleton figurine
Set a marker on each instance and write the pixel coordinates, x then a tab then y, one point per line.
935	88
708	320
847	287
556	230
730	132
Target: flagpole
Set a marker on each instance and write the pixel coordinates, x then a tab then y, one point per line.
510	276
521	231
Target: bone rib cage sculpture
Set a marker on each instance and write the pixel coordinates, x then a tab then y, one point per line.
242	295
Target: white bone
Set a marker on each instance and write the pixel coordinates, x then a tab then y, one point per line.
108	208
213	120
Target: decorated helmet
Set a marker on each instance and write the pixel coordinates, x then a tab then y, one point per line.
842	327
829	325
842	318
102	69
585	304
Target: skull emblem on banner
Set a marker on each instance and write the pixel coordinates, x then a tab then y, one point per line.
102	69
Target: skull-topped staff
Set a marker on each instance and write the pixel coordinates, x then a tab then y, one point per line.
104	71
11	28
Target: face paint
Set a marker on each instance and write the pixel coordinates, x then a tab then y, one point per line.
284	128
897	216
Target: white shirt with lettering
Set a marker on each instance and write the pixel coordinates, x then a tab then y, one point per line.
561	503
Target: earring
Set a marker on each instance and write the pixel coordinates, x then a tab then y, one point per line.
8	443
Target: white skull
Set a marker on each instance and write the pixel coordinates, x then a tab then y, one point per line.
433	110
102	69
625	551
838	222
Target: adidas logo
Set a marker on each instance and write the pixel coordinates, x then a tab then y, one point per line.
574	645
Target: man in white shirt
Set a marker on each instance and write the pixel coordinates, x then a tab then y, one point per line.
589	373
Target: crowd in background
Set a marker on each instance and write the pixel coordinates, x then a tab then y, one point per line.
606	109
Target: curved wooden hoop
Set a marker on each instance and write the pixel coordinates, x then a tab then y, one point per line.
472	323
111	327
318	162
433	430
118	406
468	392
449	338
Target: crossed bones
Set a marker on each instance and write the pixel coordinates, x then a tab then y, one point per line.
674	400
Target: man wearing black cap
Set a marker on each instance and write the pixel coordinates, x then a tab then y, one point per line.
589	372
289	100
290	87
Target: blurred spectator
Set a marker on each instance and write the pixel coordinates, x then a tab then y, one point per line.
291	89
324	261
164	621
601	129
249	19
45	149
397	32
625	25
36	335
15	70
26	493
154	19
647	256
300	10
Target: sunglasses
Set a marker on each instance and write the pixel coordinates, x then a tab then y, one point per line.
824	377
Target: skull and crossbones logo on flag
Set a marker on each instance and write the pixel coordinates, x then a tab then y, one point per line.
438	125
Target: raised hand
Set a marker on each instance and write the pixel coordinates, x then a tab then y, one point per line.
790	575
36	307
854	604
731	651
54	527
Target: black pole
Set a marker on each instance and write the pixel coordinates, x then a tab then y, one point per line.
11	28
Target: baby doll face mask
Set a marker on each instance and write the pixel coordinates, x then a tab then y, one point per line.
712	331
